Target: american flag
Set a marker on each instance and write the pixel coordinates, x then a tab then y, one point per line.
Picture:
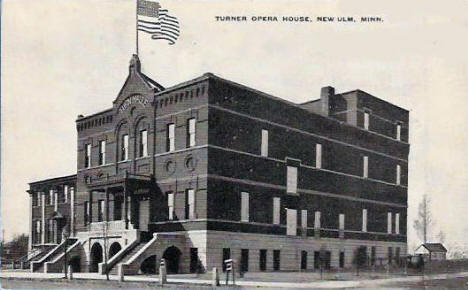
157	22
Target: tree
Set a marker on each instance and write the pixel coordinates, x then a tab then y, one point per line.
424	222
441	237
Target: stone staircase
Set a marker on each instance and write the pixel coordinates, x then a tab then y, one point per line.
46	262
127	257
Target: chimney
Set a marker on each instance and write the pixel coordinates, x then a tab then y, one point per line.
325	94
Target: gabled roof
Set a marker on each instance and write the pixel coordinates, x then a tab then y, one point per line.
434	247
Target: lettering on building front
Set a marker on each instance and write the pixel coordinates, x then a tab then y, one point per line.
135	99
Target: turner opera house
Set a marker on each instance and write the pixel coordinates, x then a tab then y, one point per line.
209	169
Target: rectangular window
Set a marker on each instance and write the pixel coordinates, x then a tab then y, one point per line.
303	260
102	152
191	132
366	120
143	144
276	260
390	255
364	220
51	197
317	220
389	223
39	198
87	155
263	259
244	260
118	204
86	212
244	206
124	148
397	255
65	193
397	223
170	137
291	179
101	208
170	204
191	203
316	260
373	255
398	174
264	145
226	256
276	210
398	131
365	166
291	222
341	222
51	231
342	259
318	155
304	219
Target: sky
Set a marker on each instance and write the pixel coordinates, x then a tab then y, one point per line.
61	58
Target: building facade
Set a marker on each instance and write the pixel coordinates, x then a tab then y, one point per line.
209	169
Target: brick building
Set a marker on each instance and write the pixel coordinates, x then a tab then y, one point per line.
210	169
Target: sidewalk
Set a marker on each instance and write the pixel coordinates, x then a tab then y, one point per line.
246	283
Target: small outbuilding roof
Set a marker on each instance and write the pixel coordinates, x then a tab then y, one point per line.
434	247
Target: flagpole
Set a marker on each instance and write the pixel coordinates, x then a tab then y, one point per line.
136	26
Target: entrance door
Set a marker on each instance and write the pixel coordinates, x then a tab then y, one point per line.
303	260
96	257
291	220
172	257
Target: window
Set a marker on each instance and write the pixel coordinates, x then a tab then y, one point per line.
244	260
51	197
65	193
390	255
291	179
318	155
342	259
102	152
291	222
101	208
170	144
304	219
373	255
143	144
124	148
264	145
398	174
276	260
276	210
245	206
118	202
191	203
365	167
397	255
398	131
170	204
364	220
341	222
86	210
87	155
51	231
317	220
263	259
39	198
397	223
191	129
303	260
389	223
38	231
366	120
